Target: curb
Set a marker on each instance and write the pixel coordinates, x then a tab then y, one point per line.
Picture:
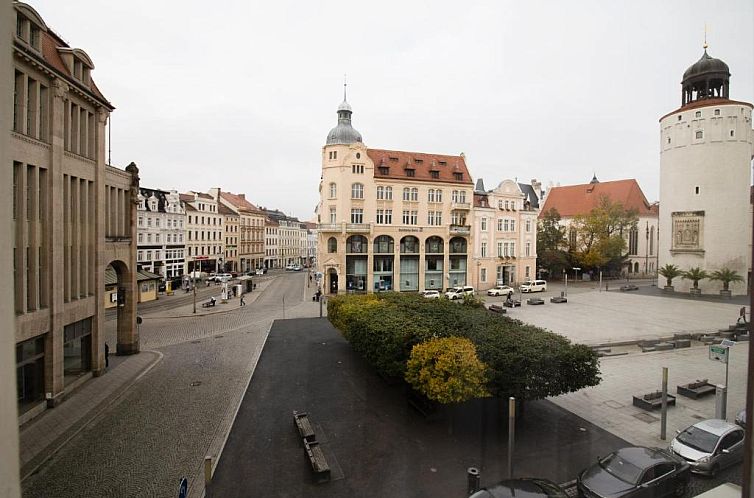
96	413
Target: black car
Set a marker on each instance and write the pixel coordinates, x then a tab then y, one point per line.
635	472
529	488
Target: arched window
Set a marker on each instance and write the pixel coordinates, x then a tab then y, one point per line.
380	193
383	245
333	190
636	267
406	194
356	244
414	194
431	195
388	193
332	245
357	191
438	195
434	245
458	245
409	245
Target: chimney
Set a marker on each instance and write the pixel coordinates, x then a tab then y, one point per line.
214	192
242	196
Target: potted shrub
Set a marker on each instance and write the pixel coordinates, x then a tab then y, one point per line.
669	272
695	275
726	276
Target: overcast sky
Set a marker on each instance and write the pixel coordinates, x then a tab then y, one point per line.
241	94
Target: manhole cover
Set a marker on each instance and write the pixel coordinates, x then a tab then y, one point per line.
196	383
614	404
195	342
646	417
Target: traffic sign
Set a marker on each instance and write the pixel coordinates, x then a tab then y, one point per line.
727	343
718	353
183	489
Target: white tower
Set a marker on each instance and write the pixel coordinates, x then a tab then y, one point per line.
705	178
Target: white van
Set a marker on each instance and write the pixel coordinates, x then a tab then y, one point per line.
459	292
534	286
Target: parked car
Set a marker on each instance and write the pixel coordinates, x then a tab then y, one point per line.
501	290
430	294
534	286
459	292
528	487
741	418
290	267
635	472
297	267
710	445
222	277
260	271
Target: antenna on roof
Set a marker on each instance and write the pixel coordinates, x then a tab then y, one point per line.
345	84
705	37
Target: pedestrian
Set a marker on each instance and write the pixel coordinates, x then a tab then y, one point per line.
243	303
107	355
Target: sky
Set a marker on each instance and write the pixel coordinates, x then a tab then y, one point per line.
241	94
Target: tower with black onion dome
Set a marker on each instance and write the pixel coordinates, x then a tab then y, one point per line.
705	178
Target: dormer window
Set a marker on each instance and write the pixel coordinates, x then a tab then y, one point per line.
410	173
434	174
77	70
384	170
458	176
443	163
28	27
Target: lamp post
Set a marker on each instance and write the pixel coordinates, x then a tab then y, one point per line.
193	284
576	275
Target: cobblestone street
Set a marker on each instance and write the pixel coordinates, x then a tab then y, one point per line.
178	413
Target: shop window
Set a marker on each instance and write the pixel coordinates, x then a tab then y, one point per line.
77	347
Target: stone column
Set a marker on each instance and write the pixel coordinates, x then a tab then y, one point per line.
101	209
128	335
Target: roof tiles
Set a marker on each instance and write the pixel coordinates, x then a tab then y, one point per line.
424	166
574	200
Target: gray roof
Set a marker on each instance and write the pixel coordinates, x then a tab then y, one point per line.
343	133
479	186
530	194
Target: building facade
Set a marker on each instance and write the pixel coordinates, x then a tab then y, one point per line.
251	250
705	177
271	252
391	220
641	240
231	223
161	230
73	216
204	239
505	234
289	238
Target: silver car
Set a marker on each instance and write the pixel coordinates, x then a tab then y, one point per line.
710	445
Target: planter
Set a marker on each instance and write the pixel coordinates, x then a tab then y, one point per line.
725	293
695	292
668	288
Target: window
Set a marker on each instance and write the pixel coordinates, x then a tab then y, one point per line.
699	134
358	155
500	225
698	114
717	112
388	193
414	194
483	252
380	217
431	195
332	245
513	225
357	191
332	215
458	177
384	170
732	133
141	238
357	169
388	216
499	249
484	224
357	215
528	249
406	216
380	193
696	190
505	225
333	190
528	225
483	275
434	174
141	221
454	196
507	206
679	117
149	255
410	173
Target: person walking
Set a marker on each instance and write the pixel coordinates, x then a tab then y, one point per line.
107	355
243	303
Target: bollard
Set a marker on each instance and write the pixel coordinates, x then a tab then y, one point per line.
721	401
473	477
207	469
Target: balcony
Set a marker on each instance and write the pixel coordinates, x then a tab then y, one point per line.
329	227
460	230
358	228
463	206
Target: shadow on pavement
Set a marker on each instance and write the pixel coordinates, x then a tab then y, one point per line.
368	431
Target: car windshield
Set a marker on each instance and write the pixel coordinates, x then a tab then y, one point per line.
699	439
622	469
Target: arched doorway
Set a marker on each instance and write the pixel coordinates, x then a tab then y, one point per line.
409	263
124	294
356	263
458	248
384	254
434	256
332	280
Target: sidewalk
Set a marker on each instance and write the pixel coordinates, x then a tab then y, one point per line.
43	436
187	310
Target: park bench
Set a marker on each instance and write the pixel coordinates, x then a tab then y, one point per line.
512	303
312	449
208	304
495	308
696	389
535	301
653	400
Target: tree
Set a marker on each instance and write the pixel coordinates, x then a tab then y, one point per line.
694	274
670	272
447	370
551	242
599	239
726	276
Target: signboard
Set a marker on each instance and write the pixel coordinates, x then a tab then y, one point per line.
718	353
183	489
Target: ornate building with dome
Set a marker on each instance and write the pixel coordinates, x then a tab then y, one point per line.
705	178
391	220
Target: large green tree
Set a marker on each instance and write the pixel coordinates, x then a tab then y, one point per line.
600	233
551	243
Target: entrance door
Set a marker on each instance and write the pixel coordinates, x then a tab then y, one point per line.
333	283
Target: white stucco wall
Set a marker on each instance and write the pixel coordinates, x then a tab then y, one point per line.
719	165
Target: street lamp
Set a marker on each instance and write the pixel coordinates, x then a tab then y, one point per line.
576	275
193	284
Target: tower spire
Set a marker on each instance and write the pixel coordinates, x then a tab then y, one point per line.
345	84
705	37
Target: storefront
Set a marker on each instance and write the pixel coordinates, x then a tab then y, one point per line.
30	372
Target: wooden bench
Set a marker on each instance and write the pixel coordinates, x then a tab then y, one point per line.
312	450
208	304
303	425
696	389
495	308
318	461
653	400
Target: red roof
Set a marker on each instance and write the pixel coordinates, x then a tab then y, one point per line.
239	201
573	200
423	166
706	103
